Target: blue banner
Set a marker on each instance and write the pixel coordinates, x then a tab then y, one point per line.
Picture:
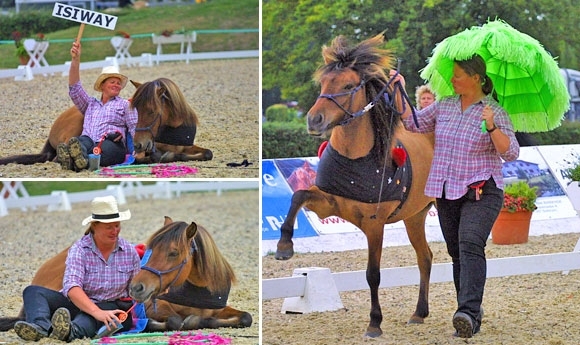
279	180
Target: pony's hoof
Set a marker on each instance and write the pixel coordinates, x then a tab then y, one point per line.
373	332
416	320
192	322
284	254
207	155
245	320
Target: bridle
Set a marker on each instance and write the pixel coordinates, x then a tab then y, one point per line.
157	118
158	273
388	98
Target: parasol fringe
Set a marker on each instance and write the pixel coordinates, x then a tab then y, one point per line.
499	41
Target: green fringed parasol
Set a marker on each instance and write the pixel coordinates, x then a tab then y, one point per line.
525	76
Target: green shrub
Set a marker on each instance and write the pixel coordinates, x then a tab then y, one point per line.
567	133
287	140
280	113
30	23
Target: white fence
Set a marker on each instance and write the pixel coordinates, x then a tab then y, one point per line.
15	195
146	60
317	289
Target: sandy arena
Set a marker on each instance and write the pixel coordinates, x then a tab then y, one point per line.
224	94
29	238
524	309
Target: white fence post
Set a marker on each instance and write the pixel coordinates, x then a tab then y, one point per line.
320	293
119	193
3	208
63	204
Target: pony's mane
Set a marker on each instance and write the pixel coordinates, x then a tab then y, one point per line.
156	94
371	64
210	265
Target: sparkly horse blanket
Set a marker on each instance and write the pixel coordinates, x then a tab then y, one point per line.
194	296
361	179
181	136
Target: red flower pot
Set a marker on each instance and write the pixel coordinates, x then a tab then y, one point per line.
511	228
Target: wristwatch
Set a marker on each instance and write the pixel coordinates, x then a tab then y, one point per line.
492	129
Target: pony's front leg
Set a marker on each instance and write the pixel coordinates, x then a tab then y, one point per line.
311	198
415	227
375	245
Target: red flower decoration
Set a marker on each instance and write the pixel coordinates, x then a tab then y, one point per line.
321	148
399	156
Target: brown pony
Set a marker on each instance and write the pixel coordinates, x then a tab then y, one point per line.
165	131
185	261
385	166
186	281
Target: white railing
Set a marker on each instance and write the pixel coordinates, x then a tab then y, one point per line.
14	195
308	290
146	60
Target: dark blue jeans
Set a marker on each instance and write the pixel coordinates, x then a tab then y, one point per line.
112	152
466	224
40	303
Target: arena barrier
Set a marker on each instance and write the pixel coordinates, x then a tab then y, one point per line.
15	194
316	289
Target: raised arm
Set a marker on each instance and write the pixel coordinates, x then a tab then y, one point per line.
74	74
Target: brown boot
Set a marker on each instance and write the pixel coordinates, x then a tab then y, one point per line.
60	324
76	153
63	157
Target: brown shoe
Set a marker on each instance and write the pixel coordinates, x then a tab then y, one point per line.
29	331
76	153
60	324
63	157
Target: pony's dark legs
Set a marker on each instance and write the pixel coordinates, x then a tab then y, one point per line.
466	224
373	275
315	202
415	227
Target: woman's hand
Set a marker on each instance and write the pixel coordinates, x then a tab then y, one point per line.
75	51
108	317
487	116
398	78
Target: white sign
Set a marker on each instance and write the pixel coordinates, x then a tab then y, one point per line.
84	16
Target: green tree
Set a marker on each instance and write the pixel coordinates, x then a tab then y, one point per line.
294	32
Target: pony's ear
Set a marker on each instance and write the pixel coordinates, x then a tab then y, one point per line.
167	220
191	230
136	83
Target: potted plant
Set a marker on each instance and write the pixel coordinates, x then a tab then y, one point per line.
512	225
573	188
20	51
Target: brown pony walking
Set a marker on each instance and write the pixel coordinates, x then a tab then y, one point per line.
372	172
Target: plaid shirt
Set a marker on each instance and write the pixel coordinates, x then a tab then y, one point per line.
114	116
101	281
463	155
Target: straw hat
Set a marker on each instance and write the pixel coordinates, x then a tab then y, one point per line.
105	210
108	72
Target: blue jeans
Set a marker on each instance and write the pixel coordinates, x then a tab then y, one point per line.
112	152
466	224
40	303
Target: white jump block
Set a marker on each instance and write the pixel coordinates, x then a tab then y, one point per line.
320	293
63	204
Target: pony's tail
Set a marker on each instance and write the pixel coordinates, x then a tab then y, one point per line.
7	323
48	153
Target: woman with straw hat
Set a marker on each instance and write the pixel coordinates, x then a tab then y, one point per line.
107	121
99	268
